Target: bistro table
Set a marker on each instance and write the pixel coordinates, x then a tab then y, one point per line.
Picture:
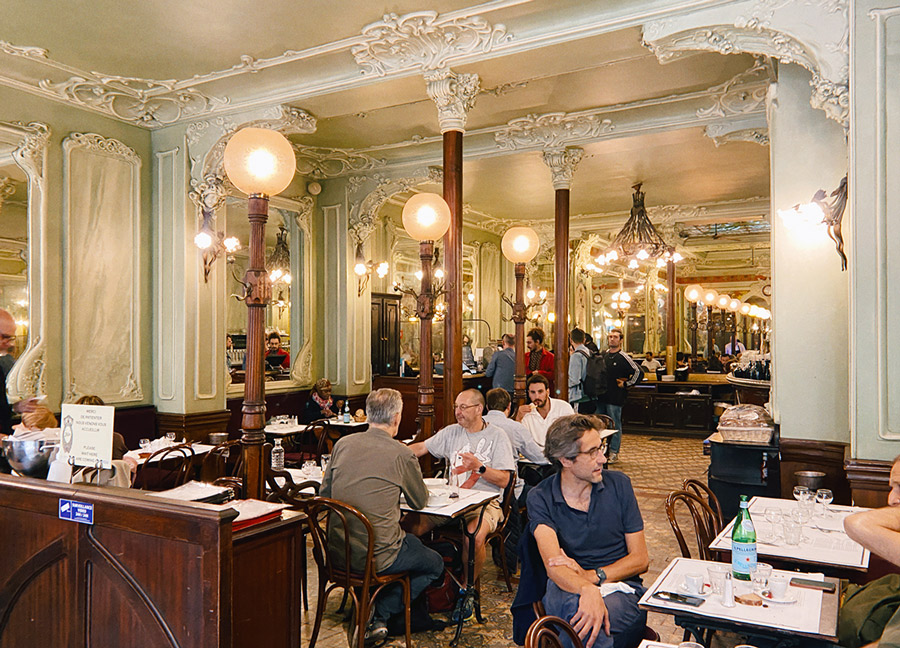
825	545
198	448
814	614
288	429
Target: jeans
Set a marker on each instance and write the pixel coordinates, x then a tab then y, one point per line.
424	566
615	413
626	620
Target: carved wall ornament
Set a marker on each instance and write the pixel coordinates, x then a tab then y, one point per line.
454	95
742	94
423	40
304	213
320	163
722	134
25	52
139	101
99	144
7	189
208	194
562	163
30	154
552	130
363	214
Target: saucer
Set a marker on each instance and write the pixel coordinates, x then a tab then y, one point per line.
707	590
787	600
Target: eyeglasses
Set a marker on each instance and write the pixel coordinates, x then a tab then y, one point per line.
457	406
593	452
7	338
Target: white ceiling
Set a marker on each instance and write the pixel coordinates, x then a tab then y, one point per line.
600	65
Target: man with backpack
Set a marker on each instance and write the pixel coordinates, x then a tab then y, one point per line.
621	373
579	359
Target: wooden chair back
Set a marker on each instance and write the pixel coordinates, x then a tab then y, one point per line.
224	460
701	515
545	633
332	524
165	468
703	490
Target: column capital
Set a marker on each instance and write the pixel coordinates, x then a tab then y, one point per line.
454	95
562	163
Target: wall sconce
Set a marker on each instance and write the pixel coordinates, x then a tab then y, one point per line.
364	270
213	244
823	211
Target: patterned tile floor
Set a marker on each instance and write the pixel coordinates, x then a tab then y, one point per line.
656	465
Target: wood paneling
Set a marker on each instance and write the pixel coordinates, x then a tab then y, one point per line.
869	481
196	426
825	456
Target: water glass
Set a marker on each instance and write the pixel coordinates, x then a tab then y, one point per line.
773	517
800	492
170	437
308	468
824	496
761	577
793	532
717	577
144	445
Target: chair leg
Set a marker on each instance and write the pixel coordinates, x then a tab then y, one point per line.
303	566
502	546
320	611
408	602
362	618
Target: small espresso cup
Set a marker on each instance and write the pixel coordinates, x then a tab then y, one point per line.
778	586
693	583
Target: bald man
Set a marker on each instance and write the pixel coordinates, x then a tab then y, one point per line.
7	344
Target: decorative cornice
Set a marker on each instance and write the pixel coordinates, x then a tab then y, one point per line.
454	95
724	133
363	214
423	40
30	154
552	130
562	163
743	94
320	163
99	144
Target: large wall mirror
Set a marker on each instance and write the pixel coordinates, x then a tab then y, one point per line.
22	182
288	359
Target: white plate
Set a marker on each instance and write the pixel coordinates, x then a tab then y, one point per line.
707	590
787	600
430	482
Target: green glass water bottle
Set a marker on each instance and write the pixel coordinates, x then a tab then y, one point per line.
743	543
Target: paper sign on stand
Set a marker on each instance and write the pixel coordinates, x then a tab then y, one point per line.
87	435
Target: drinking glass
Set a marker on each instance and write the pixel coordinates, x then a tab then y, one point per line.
793	532
717	577
309	467
144	444
773	517
800	492
761	577
170	437
824	496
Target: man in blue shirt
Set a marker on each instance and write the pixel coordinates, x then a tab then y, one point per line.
590	536
502	367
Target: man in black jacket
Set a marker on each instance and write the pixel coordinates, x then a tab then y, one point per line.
621	373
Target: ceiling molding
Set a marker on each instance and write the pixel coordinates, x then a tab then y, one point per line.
321	163
552	130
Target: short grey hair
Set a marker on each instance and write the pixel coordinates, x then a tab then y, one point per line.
564	436
382	405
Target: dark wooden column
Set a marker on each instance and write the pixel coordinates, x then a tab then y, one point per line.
425	311
670	317
710	333
259	293
561	296
519	319
453	270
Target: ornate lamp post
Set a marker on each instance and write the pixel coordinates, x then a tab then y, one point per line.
260	163
426	217
734	305
519	245
693	294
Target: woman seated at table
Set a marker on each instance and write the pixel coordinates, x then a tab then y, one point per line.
320	404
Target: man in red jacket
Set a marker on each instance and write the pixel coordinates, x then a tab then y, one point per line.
538	359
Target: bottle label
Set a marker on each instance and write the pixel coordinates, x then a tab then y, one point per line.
743	558
747	525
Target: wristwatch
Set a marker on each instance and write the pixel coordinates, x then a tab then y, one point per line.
482	469
601	575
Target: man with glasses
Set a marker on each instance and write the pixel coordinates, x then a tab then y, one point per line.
590	535
479	455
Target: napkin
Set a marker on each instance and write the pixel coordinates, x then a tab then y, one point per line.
609	588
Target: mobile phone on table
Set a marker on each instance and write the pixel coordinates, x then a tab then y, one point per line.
684	599
813	584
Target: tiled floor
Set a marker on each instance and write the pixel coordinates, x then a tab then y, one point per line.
656	465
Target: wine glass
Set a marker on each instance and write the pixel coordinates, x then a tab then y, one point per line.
170	437
800	492
144	445
773	517
824	496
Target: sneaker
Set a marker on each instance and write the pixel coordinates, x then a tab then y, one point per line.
464	608
613	458
376	630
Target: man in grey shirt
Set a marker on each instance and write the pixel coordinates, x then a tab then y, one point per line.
369	470
481	457
502	367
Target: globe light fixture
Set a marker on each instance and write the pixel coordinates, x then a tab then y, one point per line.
426	217
520	244
709	296
260	161
693	293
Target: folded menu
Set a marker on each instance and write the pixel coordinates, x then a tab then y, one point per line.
194	491
251	511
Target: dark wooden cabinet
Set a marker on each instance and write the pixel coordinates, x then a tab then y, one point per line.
385	335
665	411
695	412
638	406
670	407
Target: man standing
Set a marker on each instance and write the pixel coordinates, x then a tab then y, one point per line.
538	360
370	470
542	411
578	364
740	348
621	373
502	367
590	535
481	457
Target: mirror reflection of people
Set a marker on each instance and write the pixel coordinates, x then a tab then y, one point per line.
538	359
7	344
273	348
320	404
468	356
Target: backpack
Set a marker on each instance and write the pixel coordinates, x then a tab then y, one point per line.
594	381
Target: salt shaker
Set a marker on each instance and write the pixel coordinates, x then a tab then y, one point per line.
728	591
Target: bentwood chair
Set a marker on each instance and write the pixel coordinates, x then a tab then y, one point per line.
165	468
498	536
703	490
295	495
545	632
702	519
332	523
224	460
311	443
648	633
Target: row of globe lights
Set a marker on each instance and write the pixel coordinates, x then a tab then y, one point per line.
640	255
695	293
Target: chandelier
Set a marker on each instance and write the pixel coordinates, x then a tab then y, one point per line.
638	240
279	262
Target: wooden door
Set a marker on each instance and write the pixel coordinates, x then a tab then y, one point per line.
391	337
377	320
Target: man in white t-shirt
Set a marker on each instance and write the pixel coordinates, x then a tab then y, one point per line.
543	410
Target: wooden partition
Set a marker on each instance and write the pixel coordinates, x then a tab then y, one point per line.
147	572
